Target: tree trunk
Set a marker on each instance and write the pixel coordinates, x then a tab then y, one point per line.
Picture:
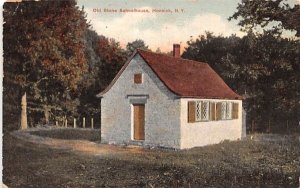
24	124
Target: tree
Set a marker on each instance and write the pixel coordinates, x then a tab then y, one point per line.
211	49
132	46
105	58
90	84
264	12
262	67
113	58
158	50
43	49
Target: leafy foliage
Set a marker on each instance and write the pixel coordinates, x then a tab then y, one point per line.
264	13
50	53
43	51
263	68
105	58
132	46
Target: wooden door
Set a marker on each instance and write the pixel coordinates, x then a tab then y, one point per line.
139	121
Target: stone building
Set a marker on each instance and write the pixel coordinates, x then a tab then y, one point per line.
167	101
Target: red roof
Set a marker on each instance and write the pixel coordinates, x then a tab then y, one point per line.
185	78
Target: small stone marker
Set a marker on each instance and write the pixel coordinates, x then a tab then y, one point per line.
56	123
83	123
92	122
66	123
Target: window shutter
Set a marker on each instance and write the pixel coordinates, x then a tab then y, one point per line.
191	111
219	111
235	111
212	111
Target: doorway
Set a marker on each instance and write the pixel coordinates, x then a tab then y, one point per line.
138	121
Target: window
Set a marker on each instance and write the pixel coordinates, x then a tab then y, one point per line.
223	110
202	110
226	110
137	78
212	111
198	111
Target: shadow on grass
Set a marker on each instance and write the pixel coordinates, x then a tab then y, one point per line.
70	134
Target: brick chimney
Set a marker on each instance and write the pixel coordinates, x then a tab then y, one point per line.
176	50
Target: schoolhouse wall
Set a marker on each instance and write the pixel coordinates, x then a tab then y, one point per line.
208	132
162	109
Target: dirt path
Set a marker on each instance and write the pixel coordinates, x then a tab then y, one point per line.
78	146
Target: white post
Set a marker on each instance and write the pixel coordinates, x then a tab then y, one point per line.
66	123
56	123
92	122
74	123
83	123
24	124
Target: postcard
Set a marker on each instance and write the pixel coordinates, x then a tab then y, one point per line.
136	93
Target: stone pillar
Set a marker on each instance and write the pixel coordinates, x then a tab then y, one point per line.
92	123
24	124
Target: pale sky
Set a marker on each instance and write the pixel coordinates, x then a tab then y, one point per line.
162	29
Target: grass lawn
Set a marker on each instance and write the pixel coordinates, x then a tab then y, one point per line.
244	163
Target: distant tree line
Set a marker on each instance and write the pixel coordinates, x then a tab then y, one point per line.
52	55
262	68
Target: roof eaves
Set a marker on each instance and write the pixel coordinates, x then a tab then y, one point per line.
214	97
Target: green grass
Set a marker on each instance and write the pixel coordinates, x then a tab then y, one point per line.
244	163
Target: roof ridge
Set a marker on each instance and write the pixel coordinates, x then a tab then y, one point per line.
170	56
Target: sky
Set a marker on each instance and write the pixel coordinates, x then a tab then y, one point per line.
161	29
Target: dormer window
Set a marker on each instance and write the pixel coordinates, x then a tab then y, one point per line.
138	78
